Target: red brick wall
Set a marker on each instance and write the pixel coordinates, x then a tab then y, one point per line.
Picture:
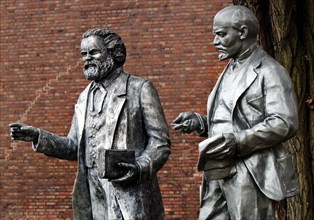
168	42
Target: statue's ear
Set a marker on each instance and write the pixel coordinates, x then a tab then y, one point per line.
118	54
244	32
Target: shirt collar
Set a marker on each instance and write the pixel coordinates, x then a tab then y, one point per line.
108	80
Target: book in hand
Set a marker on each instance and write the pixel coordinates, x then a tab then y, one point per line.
108	160
214	168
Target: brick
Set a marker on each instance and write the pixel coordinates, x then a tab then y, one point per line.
168	42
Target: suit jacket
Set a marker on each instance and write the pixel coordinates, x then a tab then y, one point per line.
134	120
264	116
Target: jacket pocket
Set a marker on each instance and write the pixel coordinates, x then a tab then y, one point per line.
252	108
287	174
256	103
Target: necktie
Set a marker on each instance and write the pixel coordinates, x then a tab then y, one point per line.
97	99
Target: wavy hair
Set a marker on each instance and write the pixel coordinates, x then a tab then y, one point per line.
112	41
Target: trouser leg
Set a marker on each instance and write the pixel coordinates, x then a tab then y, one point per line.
244	198
97	195
213	203
103	200
235	198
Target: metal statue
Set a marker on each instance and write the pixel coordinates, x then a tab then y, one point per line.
118	124
251	112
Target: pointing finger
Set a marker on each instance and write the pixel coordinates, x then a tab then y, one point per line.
177	126
177	120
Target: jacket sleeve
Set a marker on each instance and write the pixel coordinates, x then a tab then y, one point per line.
157	150
280	120
57	146
203	130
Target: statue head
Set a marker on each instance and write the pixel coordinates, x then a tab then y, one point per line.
236	29
102	52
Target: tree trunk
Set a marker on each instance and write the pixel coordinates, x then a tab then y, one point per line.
287	33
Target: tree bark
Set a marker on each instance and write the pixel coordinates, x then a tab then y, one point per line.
287	33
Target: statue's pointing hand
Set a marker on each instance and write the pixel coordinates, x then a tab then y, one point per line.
186	122
23	132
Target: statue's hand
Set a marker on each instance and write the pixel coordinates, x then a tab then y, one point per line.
130	176
23	132
186	122
225	149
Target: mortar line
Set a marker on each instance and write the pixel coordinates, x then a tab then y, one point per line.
39	92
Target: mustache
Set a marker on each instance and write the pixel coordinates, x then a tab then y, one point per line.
88	64
221	48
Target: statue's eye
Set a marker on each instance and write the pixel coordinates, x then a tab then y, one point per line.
221	34
83	53
94	52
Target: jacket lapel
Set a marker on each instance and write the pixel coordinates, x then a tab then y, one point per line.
249	74
116	101
80	110
212	96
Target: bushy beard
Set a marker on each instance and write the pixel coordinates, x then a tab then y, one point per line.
97	70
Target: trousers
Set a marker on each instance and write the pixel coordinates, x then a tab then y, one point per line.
235	198
103	200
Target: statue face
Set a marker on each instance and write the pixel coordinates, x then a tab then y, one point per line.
227	39
98	63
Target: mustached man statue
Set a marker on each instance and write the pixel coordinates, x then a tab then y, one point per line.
250	113
119	112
